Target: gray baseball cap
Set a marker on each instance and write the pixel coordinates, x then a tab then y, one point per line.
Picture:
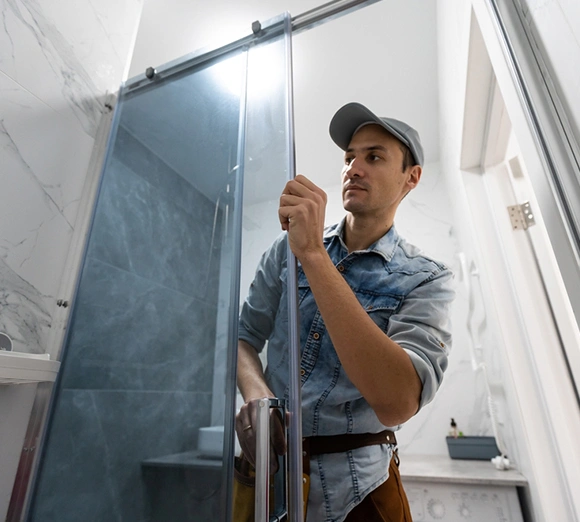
353	116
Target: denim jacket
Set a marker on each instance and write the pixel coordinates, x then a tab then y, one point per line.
407	295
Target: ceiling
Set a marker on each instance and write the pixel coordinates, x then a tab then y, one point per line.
383	55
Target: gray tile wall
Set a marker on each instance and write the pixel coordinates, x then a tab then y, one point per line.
138	368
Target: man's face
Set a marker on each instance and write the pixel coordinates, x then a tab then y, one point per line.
373	181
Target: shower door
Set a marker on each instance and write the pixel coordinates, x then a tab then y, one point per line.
141	423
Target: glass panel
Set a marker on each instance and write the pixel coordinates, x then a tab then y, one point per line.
269	164
137	427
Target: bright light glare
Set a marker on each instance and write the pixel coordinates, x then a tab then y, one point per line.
228	74
265	71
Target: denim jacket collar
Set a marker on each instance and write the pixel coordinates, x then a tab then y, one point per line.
385	246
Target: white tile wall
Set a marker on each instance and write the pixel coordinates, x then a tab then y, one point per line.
57	61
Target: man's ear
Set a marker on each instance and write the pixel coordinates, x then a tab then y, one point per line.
414	175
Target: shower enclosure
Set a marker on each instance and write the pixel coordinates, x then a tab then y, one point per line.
148	374
141	421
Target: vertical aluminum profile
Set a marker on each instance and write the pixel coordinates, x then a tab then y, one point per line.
295	496
261	499
227	492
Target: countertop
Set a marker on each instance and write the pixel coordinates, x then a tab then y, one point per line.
437	468
413	468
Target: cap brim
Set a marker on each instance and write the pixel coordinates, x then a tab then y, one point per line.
349	118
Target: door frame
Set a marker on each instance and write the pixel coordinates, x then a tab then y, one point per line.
527	291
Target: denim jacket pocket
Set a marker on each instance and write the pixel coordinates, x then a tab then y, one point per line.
380	307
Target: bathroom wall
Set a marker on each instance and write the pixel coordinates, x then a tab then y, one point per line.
138	371
57	62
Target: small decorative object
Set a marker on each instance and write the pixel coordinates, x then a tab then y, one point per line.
501	463
5	342
453	429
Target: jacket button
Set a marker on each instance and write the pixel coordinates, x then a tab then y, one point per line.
316	336
302	371
340	268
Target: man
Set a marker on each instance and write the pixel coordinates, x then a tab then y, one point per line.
373	317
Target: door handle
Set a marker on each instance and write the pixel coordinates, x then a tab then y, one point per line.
262	492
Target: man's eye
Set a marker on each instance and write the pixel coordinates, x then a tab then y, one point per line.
347	161
374	157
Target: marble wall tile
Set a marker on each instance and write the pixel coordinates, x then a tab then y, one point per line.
39	203
37	142
141	342
93	472
171	186
57	60
166	181
119	18
145	316
65	54
81	444
133	334
139	230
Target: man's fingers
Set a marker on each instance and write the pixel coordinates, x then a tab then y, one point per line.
245	429
303	180
246	423
289	200
302	187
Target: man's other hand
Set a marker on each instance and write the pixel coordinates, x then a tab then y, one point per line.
246	422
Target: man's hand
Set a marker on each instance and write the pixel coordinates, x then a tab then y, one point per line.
246	423
301	213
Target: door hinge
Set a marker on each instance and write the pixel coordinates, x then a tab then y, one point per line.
521	216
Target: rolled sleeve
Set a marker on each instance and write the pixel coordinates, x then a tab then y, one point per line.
421	326
260	307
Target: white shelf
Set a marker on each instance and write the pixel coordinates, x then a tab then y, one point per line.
435	468
26	368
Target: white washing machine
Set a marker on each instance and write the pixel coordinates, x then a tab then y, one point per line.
442	489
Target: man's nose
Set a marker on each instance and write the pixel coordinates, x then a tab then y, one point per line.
353	169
